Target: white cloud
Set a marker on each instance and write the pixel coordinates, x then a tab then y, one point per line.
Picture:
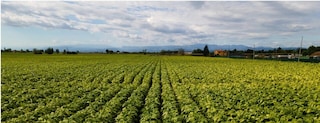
170	22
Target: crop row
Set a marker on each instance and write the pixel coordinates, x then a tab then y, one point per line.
233	94
190	110
54	101
138	88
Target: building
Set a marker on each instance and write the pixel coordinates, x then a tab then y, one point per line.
283	56
315	55
220	53
188	53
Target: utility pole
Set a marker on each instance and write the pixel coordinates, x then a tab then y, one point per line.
229	51
300	49
254	46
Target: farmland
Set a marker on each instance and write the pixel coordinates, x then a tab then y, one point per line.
152	88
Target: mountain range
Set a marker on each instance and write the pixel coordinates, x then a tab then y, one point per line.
187	48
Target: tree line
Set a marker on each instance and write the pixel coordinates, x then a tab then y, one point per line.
203	52
279	50
49	50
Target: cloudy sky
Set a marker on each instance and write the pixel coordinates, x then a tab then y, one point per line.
42	24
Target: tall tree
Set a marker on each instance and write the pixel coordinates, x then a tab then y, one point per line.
49	50
206	51
57	51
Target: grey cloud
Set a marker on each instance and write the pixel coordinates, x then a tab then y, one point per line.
82	17
200	36
168	29
147	8
225	18
171	41
125	34
299	27
192	21
280	9
197	4
279	26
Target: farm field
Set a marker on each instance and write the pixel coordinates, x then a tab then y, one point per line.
151	88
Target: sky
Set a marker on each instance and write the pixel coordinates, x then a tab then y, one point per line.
30	24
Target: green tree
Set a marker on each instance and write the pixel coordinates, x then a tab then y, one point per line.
109	51
36	51
197	51
313	49
279	50
57	51
7	50
49	50
206	51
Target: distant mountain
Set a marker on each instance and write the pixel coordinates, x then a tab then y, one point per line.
185	47
190	48
212	47
86	48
